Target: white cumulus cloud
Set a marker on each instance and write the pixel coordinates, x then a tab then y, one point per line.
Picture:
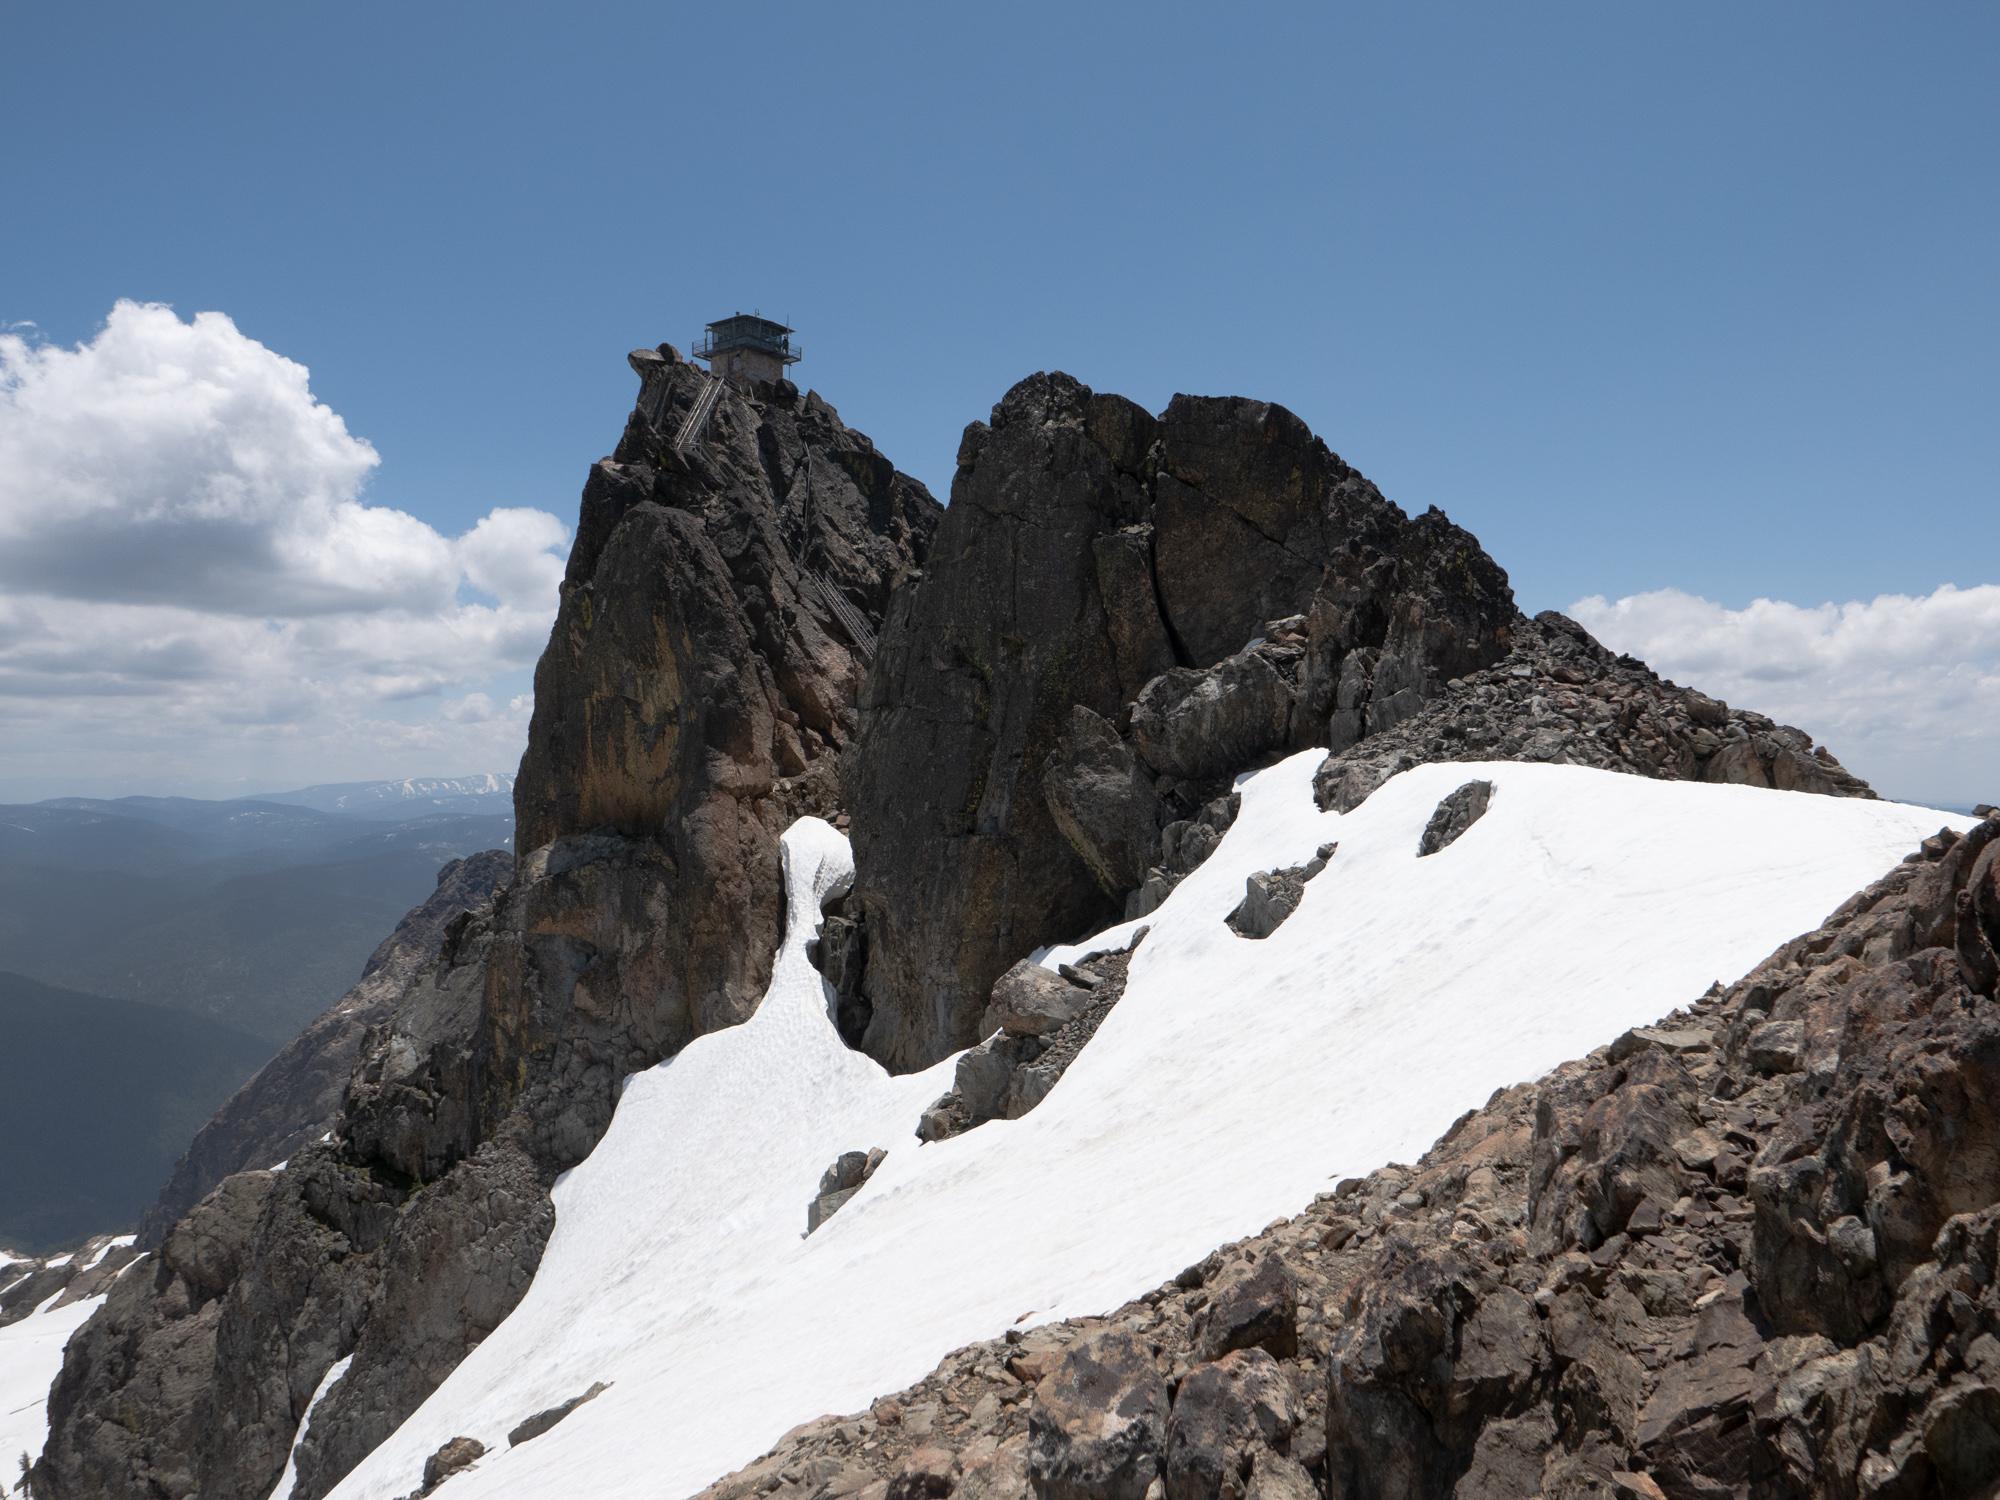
193	588
1905	690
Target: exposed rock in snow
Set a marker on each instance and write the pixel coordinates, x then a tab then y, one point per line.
1231	1083
1270	896
1653	1272
840	1182
1456	813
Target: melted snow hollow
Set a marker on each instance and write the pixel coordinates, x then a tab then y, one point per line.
1235	1080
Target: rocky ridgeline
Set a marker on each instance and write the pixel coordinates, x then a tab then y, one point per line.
58	1280
1118	613
1558	696
1749	1251
696	691
295	1098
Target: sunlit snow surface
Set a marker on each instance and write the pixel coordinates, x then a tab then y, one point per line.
1234	1080
31	1350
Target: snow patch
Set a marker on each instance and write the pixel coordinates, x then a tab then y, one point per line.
290	1477
31	1351
1233	1081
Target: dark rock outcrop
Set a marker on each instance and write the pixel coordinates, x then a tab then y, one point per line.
980	667
1043	1020
696	692
1103	802
1077	668
1458	811
1097	1429
1560	697
1195	725
840	1182
1270	896
295	1097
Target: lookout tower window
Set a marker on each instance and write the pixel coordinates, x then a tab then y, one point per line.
745	347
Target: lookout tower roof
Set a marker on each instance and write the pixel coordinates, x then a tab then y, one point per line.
750	332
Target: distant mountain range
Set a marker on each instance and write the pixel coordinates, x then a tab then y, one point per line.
255	912
487	793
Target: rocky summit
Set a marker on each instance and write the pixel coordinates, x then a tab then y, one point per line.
1749	1250
697	689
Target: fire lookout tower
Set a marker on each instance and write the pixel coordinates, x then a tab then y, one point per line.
747	347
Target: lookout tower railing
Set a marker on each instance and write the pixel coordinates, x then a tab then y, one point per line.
750	334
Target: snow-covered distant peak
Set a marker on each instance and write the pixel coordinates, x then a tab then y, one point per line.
488	791
1235	1079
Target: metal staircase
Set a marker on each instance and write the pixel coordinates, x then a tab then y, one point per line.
697	418
853	624
851	619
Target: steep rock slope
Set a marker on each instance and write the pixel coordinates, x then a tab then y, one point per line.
1118	615
1092	554
1234	1079
1120	612
696	687
295	1097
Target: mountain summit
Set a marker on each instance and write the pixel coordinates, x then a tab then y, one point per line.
933	929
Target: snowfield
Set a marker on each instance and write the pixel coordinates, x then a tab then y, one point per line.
1235	1079
31	1351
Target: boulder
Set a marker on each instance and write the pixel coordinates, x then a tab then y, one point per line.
1200	724
927	1474
1270	896
1458	811
1226	1416
840	1182
1029	1000
1255	1308
452	1457
1097	1428
530	1428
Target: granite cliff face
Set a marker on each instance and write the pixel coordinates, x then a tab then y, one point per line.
1096	580
697	688
1118	613
1123	611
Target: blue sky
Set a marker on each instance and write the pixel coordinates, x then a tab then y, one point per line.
1693	299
